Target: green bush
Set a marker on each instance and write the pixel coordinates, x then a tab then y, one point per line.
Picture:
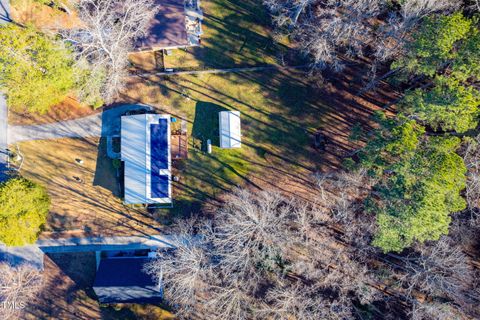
24	207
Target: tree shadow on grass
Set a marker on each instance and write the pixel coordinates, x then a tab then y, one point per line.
105	171
205	124
80	267
107	174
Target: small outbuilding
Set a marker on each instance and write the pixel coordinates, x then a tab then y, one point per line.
230	129
176	24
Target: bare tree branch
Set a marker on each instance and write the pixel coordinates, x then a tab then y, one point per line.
18	287
107	35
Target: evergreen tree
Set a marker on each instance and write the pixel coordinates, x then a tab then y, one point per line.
420	176
36	70
449	105
24	207
417	193
434	45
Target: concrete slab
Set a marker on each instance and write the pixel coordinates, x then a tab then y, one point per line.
102	124
20	255
34	254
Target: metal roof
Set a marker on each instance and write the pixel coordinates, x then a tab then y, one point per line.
167	28
230	129
5	12
123	280
142	158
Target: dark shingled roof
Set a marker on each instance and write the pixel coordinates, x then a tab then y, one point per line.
123	280
167	28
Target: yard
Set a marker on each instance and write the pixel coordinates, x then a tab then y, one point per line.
280	110
85	197
279	114
236	33
277	128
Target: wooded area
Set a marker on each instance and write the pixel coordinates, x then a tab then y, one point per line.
392	234
392	237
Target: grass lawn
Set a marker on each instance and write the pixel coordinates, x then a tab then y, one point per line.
281	110
91	206
279	113
236	33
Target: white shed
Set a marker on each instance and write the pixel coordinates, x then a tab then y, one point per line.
230	130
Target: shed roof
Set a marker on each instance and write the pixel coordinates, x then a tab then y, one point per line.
123	280
230	129
167	29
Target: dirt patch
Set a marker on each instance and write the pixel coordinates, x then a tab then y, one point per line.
146	61
349	105
66	110
42	16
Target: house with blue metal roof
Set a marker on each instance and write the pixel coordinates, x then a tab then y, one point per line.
123	280
146	153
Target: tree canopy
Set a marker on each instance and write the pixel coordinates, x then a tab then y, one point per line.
414	154
445	52
437	42
449	105
24	207
37	70
414	199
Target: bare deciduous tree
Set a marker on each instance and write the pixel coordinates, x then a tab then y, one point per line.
107	34
187	268
329	30
18	286
440	269
231	300
249	228
287	13
295	301
396	30
335	28
435	311
246	260
471	158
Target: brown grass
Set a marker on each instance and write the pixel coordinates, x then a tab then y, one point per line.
144	61
42	16
91	207
68	109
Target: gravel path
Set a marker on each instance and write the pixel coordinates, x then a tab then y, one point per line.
226	70
90	126
33	254
102	124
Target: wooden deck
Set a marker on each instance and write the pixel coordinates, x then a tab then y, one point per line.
179	146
